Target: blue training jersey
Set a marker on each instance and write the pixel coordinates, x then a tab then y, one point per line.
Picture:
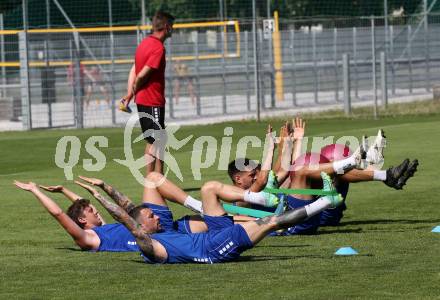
115	238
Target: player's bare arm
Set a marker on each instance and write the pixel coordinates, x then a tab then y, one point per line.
142	238
85	239
120	199
266	166
63	190
131	78
299	127
69	195
285	158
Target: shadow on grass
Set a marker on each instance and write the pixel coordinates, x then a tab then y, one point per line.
336	230
248	258
192	189
71	249
388	221
283	246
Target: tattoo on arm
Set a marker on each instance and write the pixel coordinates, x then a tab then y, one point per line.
291	217
120	199
263	221
142	238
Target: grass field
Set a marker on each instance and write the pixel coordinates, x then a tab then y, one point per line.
399	256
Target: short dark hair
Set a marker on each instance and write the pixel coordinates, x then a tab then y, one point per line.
136	211
236	166
76	210
160	19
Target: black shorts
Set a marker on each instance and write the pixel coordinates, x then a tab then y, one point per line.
153	120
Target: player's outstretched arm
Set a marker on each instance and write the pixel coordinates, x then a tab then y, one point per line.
299	127
63	190
84	240
266	165
120	215
69	195
280	147
120	199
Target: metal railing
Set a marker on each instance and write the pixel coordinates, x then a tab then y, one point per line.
306	70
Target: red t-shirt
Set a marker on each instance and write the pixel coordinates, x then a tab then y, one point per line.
151	52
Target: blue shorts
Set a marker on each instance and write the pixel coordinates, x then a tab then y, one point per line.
225	240
166	219
309	226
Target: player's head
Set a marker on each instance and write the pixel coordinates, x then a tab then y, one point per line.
335	152
84	214
243	172
145	217
163	22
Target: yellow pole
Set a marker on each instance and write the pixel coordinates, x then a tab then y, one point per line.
278	62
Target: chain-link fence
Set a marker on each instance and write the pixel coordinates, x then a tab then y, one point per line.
64	77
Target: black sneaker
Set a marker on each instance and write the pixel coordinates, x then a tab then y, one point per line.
395	173
409	172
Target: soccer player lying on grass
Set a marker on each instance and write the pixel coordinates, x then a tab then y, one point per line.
88	229
307	168
290	146
83	222
158	190
224	241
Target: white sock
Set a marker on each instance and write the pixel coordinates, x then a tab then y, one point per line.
255	198
380	175
193	204
317	206
341	165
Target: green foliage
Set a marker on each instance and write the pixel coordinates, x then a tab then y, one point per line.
7	5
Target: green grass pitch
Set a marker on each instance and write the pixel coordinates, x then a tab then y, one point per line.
398	254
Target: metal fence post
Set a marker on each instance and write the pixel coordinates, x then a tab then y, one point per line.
196	53
2	56
255	54
46	80
410	73
373	62
383	77
77	82
335	58
346	82
25	81
224	104
261	79
24	70
112	58
356	76
315	68
246	58
391	55
426	35
271	69
292	55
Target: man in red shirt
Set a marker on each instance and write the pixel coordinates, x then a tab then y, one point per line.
147	83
